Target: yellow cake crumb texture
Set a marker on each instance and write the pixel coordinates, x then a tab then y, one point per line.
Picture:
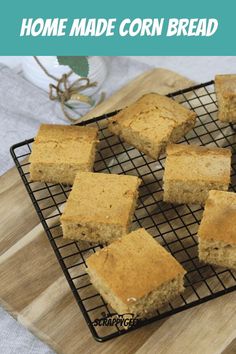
58	133
219	217
100	197
60	151
151	122
197	163
226	84
134	265
63	144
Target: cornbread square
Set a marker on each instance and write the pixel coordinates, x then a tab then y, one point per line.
217	231
135	274
60	151
151	122
191	171
225	86
100	207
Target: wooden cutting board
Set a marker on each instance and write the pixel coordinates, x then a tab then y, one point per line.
33	288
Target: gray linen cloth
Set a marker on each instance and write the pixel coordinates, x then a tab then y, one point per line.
23	107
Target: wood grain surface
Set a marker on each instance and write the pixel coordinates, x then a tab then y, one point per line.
33	288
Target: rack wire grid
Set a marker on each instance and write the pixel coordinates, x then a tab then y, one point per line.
174	226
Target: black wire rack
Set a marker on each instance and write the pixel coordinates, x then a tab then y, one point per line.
175	227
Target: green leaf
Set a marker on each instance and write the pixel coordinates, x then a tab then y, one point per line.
78	64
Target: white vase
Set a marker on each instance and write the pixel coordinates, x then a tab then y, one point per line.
34	73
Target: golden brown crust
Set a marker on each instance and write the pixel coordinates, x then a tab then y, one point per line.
197	163
151	121
225	86
59	151
219	218
195	150
153	102
63	143
62	152
102	198
134	265
58	133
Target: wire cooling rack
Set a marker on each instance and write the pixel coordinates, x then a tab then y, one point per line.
175	227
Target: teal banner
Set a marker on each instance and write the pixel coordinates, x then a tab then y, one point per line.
118	27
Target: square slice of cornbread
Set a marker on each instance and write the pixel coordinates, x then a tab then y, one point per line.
217	231
100	207
60	151
151	122
225	86
191	171
135	274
